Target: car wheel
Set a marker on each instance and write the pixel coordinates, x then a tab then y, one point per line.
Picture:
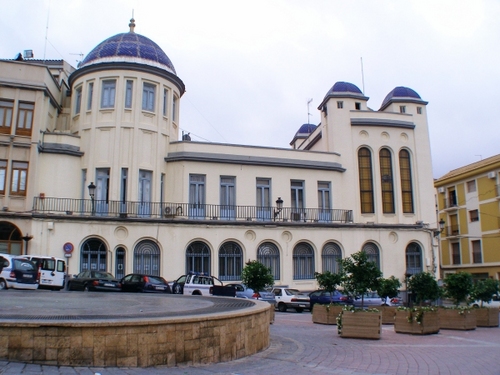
281	307
474	305
299	309
177	289
3	284
85	288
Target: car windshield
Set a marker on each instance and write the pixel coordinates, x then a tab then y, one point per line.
155	280
103	275
291	292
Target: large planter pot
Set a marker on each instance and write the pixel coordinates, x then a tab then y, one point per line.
416	322
360	324
326	314
388	313
487	317
459	319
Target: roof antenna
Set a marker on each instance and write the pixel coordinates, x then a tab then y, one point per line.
46	33
308	114
132	22
362	76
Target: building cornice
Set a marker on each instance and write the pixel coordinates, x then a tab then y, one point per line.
382	122
58	148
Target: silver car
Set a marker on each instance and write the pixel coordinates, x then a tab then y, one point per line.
372	299
242	291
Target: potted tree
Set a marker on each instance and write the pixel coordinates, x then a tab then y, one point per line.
419	320
387	289
327	314
458	286
483	292
360	276
258	277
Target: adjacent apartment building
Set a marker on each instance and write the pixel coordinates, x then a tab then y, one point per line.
469	206
93	167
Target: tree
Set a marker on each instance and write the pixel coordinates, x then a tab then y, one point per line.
388	288
360	275
257	276
424	287
458	286
484	290
328	281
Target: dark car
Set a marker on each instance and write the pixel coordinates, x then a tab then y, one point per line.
18	272
144	283
178	285
94	281
323	298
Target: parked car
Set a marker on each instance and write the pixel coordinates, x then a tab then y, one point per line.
291	298
135	282
242	291
372	299
18	272
495	302
52	271
323	297
199	284
178	285
94	281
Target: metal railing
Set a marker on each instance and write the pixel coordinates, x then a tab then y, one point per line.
452	230
171	210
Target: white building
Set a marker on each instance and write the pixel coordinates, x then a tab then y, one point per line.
361	179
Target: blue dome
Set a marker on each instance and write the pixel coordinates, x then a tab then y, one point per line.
343	90
344	87
306	129
129	47
401	93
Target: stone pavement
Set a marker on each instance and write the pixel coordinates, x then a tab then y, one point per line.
300	347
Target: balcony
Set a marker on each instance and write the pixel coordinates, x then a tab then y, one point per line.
452	231
450	204
186	211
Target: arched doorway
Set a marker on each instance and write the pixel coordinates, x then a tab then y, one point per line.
198	258
147	258
10	239
93	255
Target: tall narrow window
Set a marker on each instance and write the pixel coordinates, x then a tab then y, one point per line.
227	198
123	191
25	118
263	199
148	97
366	181
455	253
387	182
90	95
78	100
198	258
165	102
197	196
330	257
324	202
129	89
402	109
297	200
3	174
340	104
230	261
19	178
108	93
269	255
373	253
5	116
174	108
303	261
406	181
477	256
413	259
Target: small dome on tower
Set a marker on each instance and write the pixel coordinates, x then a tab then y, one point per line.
402	94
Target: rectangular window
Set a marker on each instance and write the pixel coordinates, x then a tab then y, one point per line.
128	94
452	197
90	94
197	196
3	174
148	97
357	106
474	215
477	256
25	118
78	100
324	201
455	253
19	178
402	109
366	181
174	108
108	93
227	197
263	198
471	186
340	104
123	191
419	110
297	200
5	116
165	101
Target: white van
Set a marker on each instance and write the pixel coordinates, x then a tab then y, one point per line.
52	271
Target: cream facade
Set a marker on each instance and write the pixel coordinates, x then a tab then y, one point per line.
165	205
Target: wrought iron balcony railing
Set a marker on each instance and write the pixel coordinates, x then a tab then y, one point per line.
170	210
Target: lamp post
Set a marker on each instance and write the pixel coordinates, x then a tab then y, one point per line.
26	239
92	195
279	207
407	277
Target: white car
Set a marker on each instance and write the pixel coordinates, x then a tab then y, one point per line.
495	302
291	298
18	272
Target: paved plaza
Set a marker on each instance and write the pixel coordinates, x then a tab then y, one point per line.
300	347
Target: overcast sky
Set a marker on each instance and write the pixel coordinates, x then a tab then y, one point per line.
250	67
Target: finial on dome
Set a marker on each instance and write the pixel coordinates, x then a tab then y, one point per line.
132	25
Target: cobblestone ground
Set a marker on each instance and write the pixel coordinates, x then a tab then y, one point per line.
300	347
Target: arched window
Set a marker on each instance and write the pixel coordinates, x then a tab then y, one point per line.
10	239
413	259
373	253
198	258
120	263
93	256
147	258
269	255
406	182
386	181
303	262
366	181
330	256
230	261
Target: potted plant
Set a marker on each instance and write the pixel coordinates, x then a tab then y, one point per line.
360	276
458	286
483	292
258	277
419	320
387	289
327	314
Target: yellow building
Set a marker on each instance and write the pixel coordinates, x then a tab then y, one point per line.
468	203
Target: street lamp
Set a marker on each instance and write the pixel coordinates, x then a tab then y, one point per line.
92	195
408	274
279	207
441	228
26	239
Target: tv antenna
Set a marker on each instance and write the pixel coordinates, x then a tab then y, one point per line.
78	54
308	113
